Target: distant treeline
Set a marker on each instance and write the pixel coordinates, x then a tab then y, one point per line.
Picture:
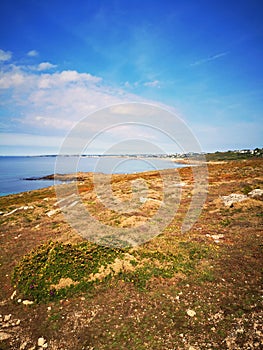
235	155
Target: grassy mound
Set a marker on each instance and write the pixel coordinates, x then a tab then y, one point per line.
56	270
38	273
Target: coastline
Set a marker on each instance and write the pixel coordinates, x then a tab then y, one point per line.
28	173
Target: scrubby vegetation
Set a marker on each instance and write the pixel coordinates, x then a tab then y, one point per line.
55	270
235	155
196	290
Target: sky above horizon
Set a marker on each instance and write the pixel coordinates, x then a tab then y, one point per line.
62	61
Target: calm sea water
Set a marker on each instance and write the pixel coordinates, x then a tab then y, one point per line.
14	170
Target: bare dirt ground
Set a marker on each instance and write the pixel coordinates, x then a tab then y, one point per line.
207	296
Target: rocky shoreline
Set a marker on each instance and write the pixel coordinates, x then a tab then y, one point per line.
59	177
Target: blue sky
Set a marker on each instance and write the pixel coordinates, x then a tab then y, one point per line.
62	60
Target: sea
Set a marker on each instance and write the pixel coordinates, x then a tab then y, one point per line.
14	170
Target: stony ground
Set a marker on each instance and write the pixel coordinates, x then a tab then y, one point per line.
197	290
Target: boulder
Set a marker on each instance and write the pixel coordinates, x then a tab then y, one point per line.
233	198
256	194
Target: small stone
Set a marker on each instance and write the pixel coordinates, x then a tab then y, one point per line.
4	336
18	322
19	300
191	313
7	318
13	295
41	341
23	345
143	199
28	302
49	308
217	237
52	212
191	348
240	330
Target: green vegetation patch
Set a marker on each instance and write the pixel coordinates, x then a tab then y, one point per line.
184	259
235	155
56	270
38	273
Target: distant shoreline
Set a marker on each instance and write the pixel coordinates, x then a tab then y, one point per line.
177	157
22	174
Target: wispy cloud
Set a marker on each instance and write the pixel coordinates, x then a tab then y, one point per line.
154	83
5	55
209	59
32	53
136	84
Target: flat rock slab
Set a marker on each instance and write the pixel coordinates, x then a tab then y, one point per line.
256	194
233	198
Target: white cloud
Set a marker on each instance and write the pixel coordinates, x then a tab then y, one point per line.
129	109
13	139
74	76
52	103
32	53
136	84
154	83
13	78
55	101
132	131
16	76
66	77
50	122
5	55
45	66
